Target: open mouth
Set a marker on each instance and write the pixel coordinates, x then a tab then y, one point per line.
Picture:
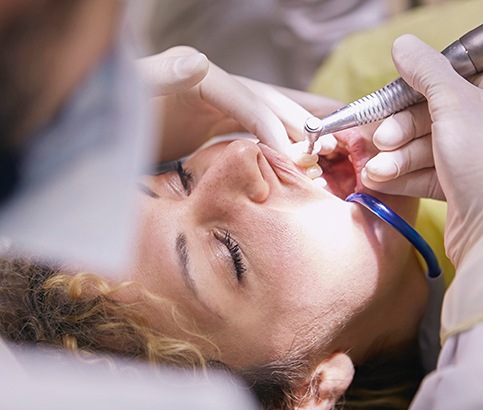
342	168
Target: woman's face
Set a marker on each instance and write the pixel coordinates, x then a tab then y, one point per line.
260	257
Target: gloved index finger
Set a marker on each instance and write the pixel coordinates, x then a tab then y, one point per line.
169	74
291	114
293	107
237	101
403	127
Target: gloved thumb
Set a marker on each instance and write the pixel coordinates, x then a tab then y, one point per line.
416	62
169	74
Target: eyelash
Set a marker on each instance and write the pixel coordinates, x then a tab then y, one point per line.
235	253
185	177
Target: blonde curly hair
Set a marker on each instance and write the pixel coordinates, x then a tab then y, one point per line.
79	312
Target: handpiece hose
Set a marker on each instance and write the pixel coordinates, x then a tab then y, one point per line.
466	57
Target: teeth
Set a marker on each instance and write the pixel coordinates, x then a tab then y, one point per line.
321	182
307	160
314	171
326	144
297	153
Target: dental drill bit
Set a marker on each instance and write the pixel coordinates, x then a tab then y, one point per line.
312	130
466	57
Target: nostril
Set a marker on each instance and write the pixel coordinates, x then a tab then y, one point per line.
259	191
243	157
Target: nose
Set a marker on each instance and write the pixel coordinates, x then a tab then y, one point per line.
234	176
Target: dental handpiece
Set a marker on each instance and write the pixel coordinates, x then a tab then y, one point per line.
466	57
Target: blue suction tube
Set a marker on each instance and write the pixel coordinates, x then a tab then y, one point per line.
388	215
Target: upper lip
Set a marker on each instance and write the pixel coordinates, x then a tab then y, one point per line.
284	168
286	171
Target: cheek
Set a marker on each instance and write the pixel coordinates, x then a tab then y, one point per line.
288	268
323	263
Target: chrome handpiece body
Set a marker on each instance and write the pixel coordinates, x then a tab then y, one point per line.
466	57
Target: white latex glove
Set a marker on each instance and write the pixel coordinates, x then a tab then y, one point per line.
437	155
168	73
197	100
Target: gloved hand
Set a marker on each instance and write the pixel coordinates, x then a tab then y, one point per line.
439	153
197	100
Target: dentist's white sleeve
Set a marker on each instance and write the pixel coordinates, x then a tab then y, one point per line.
457	382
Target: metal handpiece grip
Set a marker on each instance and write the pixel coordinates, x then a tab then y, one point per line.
473	43
392	98
466	54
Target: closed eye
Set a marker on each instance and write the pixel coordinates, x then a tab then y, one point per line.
235	252
185	177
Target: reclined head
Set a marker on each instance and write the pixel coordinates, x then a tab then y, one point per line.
242	260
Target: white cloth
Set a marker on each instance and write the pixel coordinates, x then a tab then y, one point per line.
277	41
77	192
56	382
463	304
457	381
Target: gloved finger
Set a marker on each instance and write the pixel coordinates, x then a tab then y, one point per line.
291	112
318	105
403	127
169	74
388	165
420	184
455	106
235	100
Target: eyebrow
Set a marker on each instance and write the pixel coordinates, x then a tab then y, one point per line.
145	190
182	251
183	256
